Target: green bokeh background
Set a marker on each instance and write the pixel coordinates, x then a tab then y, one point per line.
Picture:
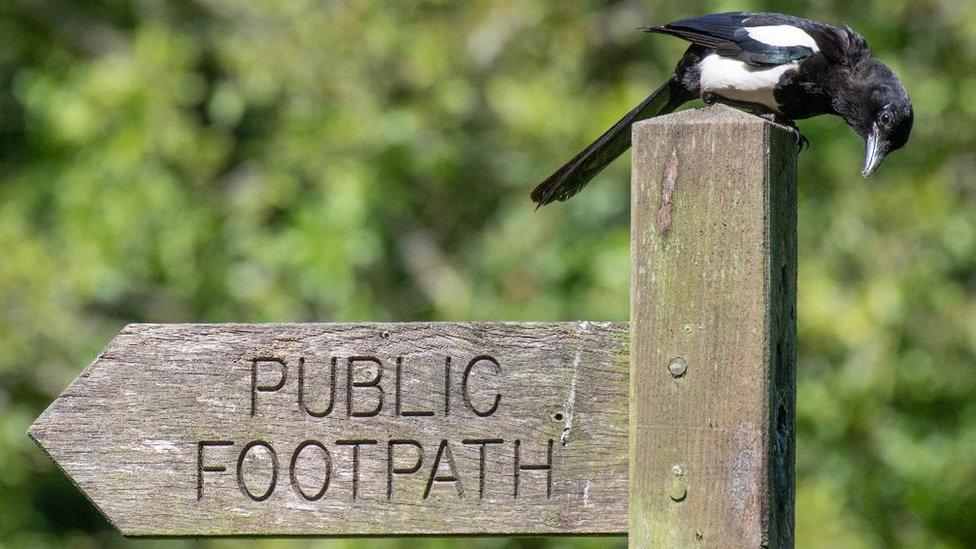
370	160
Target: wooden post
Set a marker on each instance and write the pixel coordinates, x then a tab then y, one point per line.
713	308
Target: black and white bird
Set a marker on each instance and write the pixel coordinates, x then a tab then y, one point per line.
778	66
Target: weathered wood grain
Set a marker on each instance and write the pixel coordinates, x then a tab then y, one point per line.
128	431
713	293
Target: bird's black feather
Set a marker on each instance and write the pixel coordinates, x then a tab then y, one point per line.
842	45
575	174
727	34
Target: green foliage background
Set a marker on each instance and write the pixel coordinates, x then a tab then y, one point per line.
367	160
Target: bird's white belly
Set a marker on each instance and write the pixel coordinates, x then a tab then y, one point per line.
733	79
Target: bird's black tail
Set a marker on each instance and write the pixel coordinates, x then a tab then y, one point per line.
575	174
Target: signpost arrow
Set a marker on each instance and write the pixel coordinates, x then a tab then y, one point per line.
351	429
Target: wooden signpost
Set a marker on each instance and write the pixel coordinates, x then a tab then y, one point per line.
346	429
487	428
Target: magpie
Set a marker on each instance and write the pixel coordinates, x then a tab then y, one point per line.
778	66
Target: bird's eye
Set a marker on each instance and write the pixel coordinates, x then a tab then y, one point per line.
885	118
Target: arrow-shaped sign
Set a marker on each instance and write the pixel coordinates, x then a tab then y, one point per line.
348	429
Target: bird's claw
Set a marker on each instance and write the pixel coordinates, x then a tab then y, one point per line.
800	139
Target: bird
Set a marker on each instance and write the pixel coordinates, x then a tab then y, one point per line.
781	67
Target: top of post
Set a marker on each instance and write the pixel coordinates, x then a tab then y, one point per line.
717	114
713	114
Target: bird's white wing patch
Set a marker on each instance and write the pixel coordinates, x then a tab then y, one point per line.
739	81
782	35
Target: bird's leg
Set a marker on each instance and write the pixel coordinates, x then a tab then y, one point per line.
801	140
777	118
761	111
751	108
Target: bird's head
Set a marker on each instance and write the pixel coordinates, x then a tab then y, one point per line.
878	108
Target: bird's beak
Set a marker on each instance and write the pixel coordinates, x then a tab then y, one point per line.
875	151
